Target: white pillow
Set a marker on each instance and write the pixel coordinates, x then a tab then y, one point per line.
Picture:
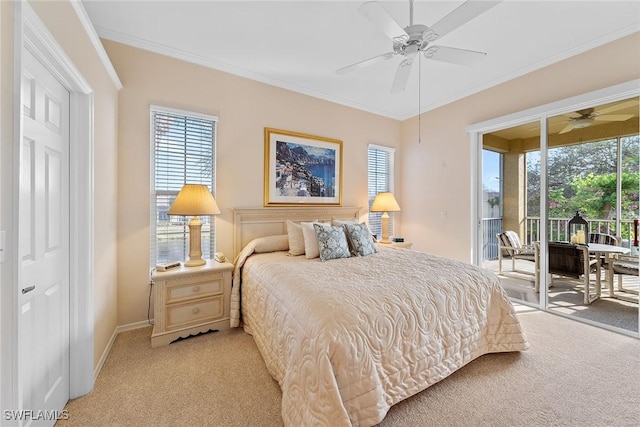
338	222
296	238
271	243
311	249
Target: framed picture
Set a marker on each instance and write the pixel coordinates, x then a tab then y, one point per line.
301	169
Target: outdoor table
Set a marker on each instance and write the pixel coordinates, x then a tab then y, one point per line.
599	249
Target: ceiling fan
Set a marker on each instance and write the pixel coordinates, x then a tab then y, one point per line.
583	118
414	39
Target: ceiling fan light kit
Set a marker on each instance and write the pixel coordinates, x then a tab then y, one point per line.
582	123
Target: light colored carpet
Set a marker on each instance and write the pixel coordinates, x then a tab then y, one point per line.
573	375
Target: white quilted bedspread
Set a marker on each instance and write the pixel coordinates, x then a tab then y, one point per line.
348	338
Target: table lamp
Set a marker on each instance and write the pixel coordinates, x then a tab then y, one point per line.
194	200
385	202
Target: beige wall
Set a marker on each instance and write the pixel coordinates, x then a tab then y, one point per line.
440	166
244	108
64	24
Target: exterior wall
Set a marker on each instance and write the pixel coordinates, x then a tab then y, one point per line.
244	108
444	156
514	197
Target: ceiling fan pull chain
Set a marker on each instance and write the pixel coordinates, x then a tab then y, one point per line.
419	103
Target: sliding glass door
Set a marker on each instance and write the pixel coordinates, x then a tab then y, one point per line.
592	170
534	175
510	198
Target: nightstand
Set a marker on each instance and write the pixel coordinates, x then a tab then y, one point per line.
406	245
190	300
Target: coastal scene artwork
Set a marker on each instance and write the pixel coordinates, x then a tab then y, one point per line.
302	169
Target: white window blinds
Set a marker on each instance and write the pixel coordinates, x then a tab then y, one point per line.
183	151
380	178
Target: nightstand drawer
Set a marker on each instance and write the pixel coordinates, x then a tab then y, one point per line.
179	292
204	310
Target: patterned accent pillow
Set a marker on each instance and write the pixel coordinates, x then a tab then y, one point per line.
332	242
360	239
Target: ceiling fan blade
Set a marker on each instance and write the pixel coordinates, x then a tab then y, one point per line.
613	117
402	76
617	107
459	16
377	14
365	63
566	129
453	55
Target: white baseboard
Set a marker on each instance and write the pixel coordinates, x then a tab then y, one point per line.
132	326
107	350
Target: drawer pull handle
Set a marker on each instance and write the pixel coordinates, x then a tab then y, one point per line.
195	310
196	288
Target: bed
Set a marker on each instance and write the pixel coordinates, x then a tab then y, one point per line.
348	338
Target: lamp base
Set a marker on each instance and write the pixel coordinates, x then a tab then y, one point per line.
385	229
195	250
194	262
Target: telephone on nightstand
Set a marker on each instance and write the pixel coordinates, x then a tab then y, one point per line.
219	256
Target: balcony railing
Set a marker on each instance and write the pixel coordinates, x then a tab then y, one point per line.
490	227
558	229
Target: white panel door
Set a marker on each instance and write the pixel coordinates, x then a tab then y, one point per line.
43	315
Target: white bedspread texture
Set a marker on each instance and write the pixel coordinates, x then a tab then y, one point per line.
348	338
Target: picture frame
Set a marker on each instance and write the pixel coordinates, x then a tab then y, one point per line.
301	169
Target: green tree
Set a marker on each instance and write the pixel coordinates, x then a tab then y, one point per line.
571	189
595	195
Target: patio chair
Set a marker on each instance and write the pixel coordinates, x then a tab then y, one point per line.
622	265
572	261
604	239
509	245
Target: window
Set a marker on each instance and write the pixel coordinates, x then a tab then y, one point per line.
380	173
182	151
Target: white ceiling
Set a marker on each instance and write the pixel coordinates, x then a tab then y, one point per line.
298	45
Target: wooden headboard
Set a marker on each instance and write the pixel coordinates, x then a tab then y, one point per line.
251	223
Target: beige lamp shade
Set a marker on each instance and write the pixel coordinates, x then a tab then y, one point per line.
385	202
193	200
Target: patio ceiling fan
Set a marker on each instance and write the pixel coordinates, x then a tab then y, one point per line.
583	118
414	39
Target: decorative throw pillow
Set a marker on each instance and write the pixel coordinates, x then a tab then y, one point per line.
360	240
296	239
332	242
310	240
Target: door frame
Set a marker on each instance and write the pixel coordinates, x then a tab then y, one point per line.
32	34
613	93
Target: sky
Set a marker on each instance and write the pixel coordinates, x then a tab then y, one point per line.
491	170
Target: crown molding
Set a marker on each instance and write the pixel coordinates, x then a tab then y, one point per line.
197	59
95	41
231	69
